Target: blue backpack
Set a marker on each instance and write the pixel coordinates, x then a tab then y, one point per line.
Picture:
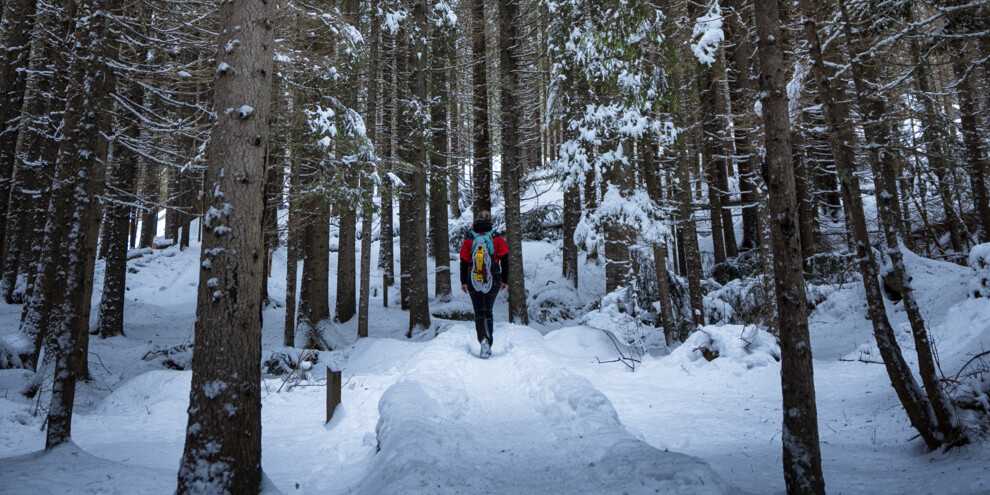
482	254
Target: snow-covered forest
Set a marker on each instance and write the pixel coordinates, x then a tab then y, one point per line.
748	246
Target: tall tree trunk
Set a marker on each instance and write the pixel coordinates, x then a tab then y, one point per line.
802	184
572	216
742	91
80	172
802	454
15	36
723	163
415	252
314	288
365	296
346	260
37	151
692	254
969	108
222	451
292	247
651	175
386	260
510	43
841	137
439	164
878	131
482	149
110	321
367	210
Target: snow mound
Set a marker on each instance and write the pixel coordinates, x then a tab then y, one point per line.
70	470
582	342
979	260
558	431
147	392
749	346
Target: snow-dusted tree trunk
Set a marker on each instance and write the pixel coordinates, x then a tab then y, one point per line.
37	151
386	258
878	131
442	46
15	34
651	176
572	215
346	297
841	137
346	300
222	451
510	43
482	135
414	230
79	173
292	247
966	86
742	91
802	454
116	219
689	237
708	88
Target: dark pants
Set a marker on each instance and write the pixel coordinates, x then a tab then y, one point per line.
483	303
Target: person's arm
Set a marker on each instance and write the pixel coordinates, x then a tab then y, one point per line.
465	264
465	269
502	251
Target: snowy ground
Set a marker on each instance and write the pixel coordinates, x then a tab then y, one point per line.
542	414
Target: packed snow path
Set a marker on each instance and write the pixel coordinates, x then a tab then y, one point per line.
514	423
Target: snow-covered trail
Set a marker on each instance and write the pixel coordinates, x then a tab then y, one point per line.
515	423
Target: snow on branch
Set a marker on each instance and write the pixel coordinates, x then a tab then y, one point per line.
708	30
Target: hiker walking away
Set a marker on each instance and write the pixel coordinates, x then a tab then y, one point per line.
484	272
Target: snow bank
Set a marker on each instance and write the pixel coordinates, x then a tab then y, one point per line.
582	342
979	260
69	469
749	346
559	431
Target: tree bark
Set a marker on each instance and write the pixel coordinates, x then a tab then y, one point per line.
877	128
79	173
510	43
572	216
415	252
651	175
15	36
386	240
439	164
840	139
346	303
37	151
482	148
802	454
110	321
969	109
222	451
742	91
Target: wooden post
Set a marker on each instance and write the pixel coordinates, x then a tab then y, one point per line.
385	290
333	392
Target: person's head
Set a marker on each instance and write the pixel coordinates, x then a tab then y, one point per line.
482	222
